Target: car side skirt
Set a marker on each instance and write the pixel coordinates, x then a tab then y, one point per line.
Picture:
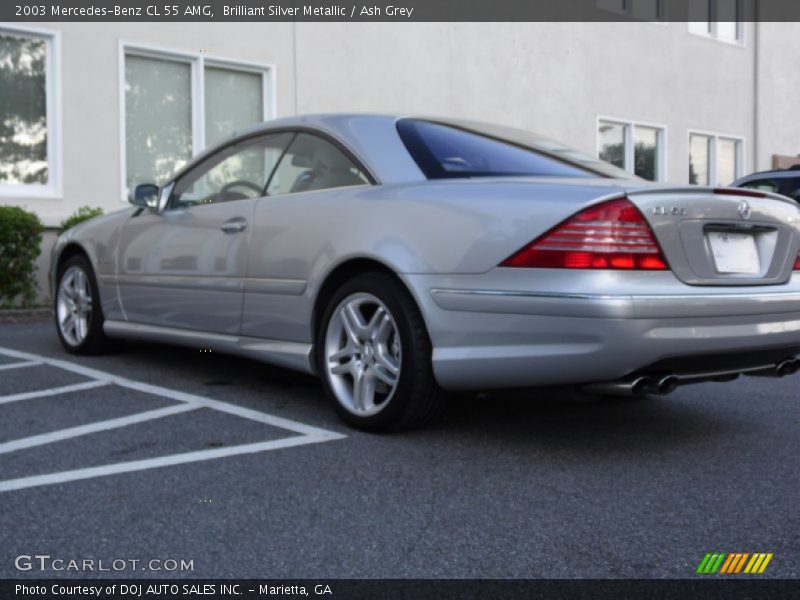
292	355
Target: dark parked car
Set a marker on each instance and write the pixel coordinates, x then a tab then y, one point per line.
780	181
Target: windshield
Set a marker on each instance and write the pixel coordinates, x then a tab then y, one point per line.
444	150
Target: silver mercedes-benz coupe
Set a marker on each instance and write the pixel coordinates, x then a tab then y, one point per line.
402	257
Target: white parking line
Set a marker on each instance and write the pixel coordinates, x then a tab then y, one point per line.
308	434
75	387
73	432
153	463
20	365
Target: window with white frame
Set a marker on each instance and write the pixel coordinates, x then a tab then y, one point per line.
635	147
645	10
175	105
714	159
720	19
29	128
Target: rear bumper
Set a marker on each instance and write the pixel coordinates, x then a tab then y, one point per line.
505	337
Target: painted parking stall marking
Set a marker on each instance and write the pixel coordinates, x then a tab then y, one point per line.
183	403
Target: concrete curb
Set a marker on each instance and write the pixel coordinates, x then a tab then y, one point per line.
26	315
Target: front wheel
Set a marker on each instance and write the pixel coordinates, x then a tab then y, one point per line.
374	356
79	316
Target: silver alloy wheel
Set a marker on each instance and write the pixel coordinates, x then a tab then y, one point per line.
74	305
362	354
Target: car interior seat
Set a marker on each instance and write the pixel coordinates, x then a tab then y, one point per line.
329	169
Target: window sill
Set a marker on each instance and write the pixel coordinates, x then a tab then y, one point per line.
23	192
707	36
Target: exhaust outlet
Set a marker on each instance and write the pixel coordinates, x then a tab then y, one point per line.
787	367
666	385
637	386
790	366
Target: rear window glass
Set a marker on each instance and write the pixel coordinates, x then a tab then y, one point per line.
792	188
443	151
763	185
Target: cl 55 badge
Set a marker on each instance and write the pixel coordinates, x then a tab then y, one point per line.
676	211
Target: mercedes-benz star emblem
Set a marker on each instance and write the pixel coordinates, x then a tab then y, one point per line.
744	209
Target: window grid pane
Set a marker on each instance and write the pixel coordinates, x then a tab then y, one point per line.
23	110
233	99
646	152
158	119
612	143
726	160
699	155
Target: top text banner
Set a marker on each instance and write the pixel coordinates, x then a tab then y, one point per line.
400	11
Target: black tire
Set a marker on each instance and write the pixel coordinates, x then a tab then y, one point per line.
417	398
95	340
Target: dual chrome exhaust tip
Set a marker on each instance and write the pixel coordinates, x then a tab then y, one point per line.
782	369
639	385
635	386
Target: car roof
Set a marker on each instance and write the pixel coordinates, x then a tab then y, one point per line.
777	173
373	139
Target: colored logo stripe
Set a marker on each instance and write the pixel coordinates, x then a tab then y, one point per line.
711	563
734	562
758	563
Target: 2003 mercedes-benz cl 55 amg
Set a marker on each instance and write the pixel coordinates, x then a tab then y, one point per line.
400	257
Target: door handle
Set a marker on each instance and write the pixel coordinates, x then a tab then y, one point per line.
234	226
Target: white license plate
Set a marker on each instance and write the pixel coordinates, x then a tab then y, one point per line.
734	252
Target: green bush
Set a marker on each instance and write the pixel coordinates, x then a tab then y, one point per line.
20	245
84	213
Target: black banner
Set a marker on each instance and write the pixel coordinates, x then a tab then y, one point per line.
380	10
731	588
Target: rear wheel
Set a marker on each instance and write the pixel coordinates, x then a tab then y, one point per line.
374	356
79	316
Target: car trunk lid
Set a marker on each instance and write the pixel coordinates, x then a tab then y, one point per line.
722	236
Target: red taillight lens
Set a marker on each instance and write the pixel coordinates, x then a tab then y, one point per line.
611	235
797	263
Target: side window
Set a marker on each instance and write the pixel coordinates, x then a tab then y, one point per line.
236	172
791	188
313	163
763	185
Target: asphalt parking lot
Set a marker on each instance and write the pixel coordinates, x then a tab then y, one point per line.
163	453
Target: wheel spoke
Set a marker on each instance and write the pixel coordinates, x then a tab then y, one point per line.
341	368
364	390
387	361
68	323
68	287
376	322
386	376
347	352
353	322
80	284
384	330
81	328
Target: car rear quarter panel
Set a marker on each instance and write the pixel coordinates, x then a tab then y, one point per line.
441	227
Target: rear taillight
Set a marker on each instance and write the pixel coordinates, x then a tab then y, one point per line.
797	263
611	235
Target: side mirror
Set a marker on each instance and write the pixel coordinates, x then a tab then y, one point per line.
146	195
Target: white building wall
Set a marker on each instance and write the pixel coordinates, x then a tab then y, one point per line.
552	78
778	91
